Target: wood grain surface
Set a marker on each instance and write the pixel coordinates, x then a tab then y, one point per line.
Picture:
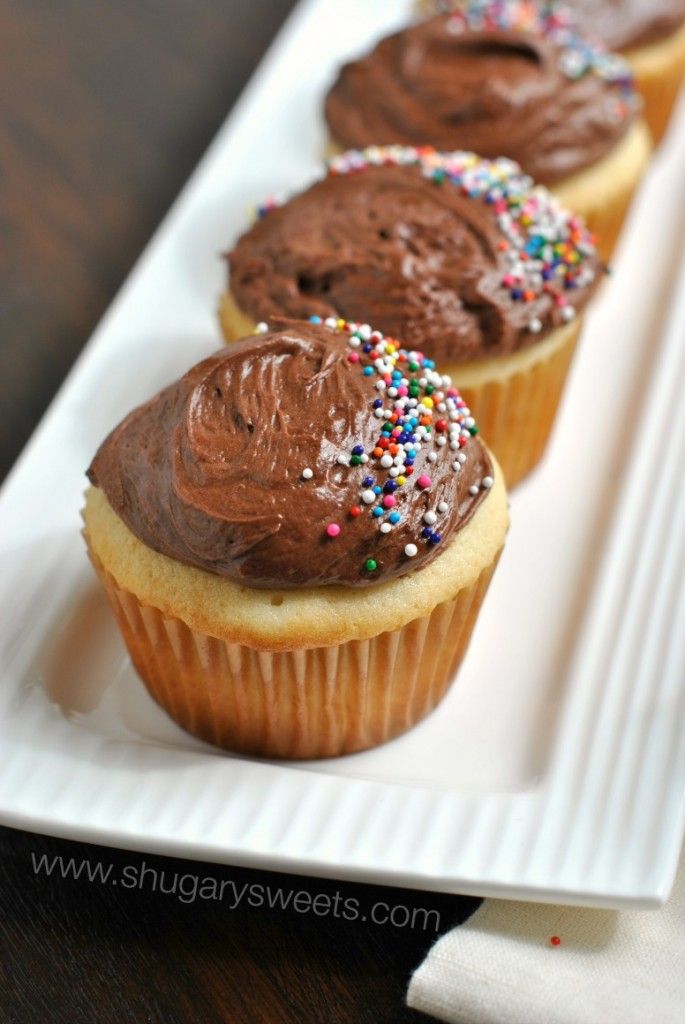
105	108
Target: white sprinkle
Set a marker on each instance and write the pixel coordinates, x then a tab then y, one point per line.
535	325
343	460
331	322
441	441
364	459
461	458
394	471
307	474
443	507
386	461
568	313
262	328
386	527
379	414
430	519
473	489
392	392
354	342
456	466
432	456
487	482
368	497
411	551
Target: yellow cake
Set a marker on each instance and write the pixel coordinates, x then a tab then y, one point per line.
272	602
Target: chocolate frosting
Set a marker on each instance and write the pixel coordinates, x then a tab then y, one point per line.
421	261
625	24
495	92
211	471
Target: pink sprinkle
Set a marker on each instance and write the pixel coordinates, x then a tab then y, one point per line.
424	482
353	357
389	501
402	391
333	530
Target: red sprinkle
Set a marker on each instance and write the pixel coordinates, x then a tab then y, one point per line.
555	940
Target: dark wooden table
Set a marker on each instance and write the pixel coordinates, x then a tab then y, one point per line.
105	108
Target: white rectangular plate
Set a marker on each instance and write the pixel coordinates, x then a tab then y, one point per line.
555	768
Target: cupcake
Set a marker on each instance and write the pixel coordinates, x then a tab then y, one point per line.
296	538
463	258
507	78
649	33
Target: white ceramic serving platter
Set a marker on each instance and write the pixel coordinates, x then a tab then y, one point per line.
555	769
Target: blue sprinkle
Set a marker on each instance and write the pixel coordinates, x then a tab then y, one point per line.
395	517
377	490
368	480
315	320
378	511
358	449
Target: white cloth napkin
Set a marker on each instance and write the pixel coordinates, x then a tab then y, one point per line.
609	967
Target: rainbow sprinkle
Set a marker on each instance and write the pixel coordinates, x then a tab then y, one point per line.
416	408
546	249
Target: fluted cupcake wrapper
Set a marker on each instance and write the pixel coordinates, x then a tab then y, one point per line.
660	84
310	703
516	413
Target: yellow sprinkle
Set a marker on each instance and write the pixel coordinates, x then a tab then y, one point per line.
341	324
428	402
401	480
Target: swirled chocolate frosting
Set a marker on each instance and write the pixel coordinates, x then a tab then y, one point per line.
625	24
307	456
460	257
537	93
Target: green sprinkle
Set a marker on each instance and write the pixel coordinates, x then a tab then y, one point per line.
371	565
